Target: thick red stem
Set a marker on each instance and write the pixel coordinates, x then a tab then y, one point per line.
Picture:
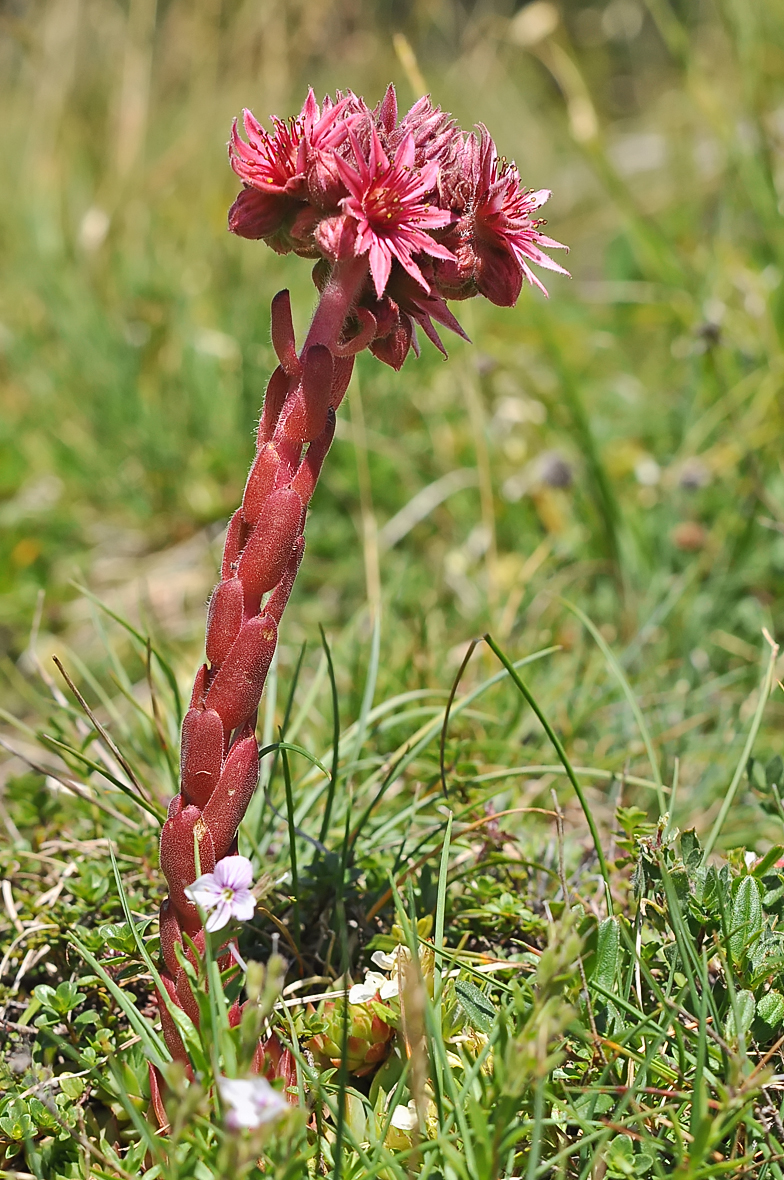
262	553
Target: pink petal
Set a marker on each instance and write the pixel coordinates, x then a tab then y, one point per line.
551	243
310	110
378	157
243	905
234	872
205	891
437	250
350	177
537	199
529	274
407	262
404	156
538	257
380	265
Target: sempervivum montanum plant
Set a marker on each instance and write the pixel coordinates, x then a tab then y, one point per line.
399	216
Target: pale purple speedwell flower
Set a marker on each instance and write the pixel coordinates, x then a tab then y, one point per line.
225	891
250	1102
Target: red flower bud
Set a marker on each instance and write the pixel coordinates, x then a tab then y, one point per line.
301	232
170	934
499	276
265	556
178	860
235	539
344	367
224	619
276	603
336	237
236	690
185	996
283	333
257	214
304	482
306	413
325	188
200	683
261	482
170	1033
201	754
229	802
385	113
274	398
393	348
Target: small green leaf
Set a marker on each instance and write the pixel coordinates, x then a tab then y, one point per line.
479	1011
66	998
18	1128
85	1018
608	951
745	1004
745	917
690	849
44	994
73	1088
771	1008
633	820
774	772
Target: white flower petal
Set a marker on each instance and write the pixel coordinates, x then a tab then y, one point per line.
234	872
242	905
204	892
405	1117
219	918
360	993
384	961
389	989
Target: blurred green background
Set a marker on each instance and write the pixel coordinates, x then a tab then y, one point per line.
618	444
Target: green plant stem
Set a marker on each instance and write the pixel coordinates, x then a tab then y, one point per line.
292	846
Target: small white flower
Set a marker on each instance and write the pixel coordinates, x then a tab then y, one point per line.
250	1102
373	985
226	891
750	858
384	961
405	1117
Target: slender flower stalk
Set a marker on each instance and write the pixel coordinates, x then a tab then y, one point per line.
398	217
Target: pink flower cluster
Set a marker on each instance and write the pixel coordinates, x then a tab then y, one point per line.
435	211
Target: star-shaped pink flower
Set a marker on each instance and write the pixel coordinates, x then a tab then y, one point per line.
388	202
504	225
225	891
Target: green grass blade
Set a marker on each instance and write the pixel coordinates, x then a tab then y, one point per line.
369	691
603	868
153	1044
729	798
297	933
335	739
147	806
620	676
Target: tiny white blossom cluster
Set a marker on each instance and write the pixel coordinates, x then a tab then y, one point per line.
250	1102
376	984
